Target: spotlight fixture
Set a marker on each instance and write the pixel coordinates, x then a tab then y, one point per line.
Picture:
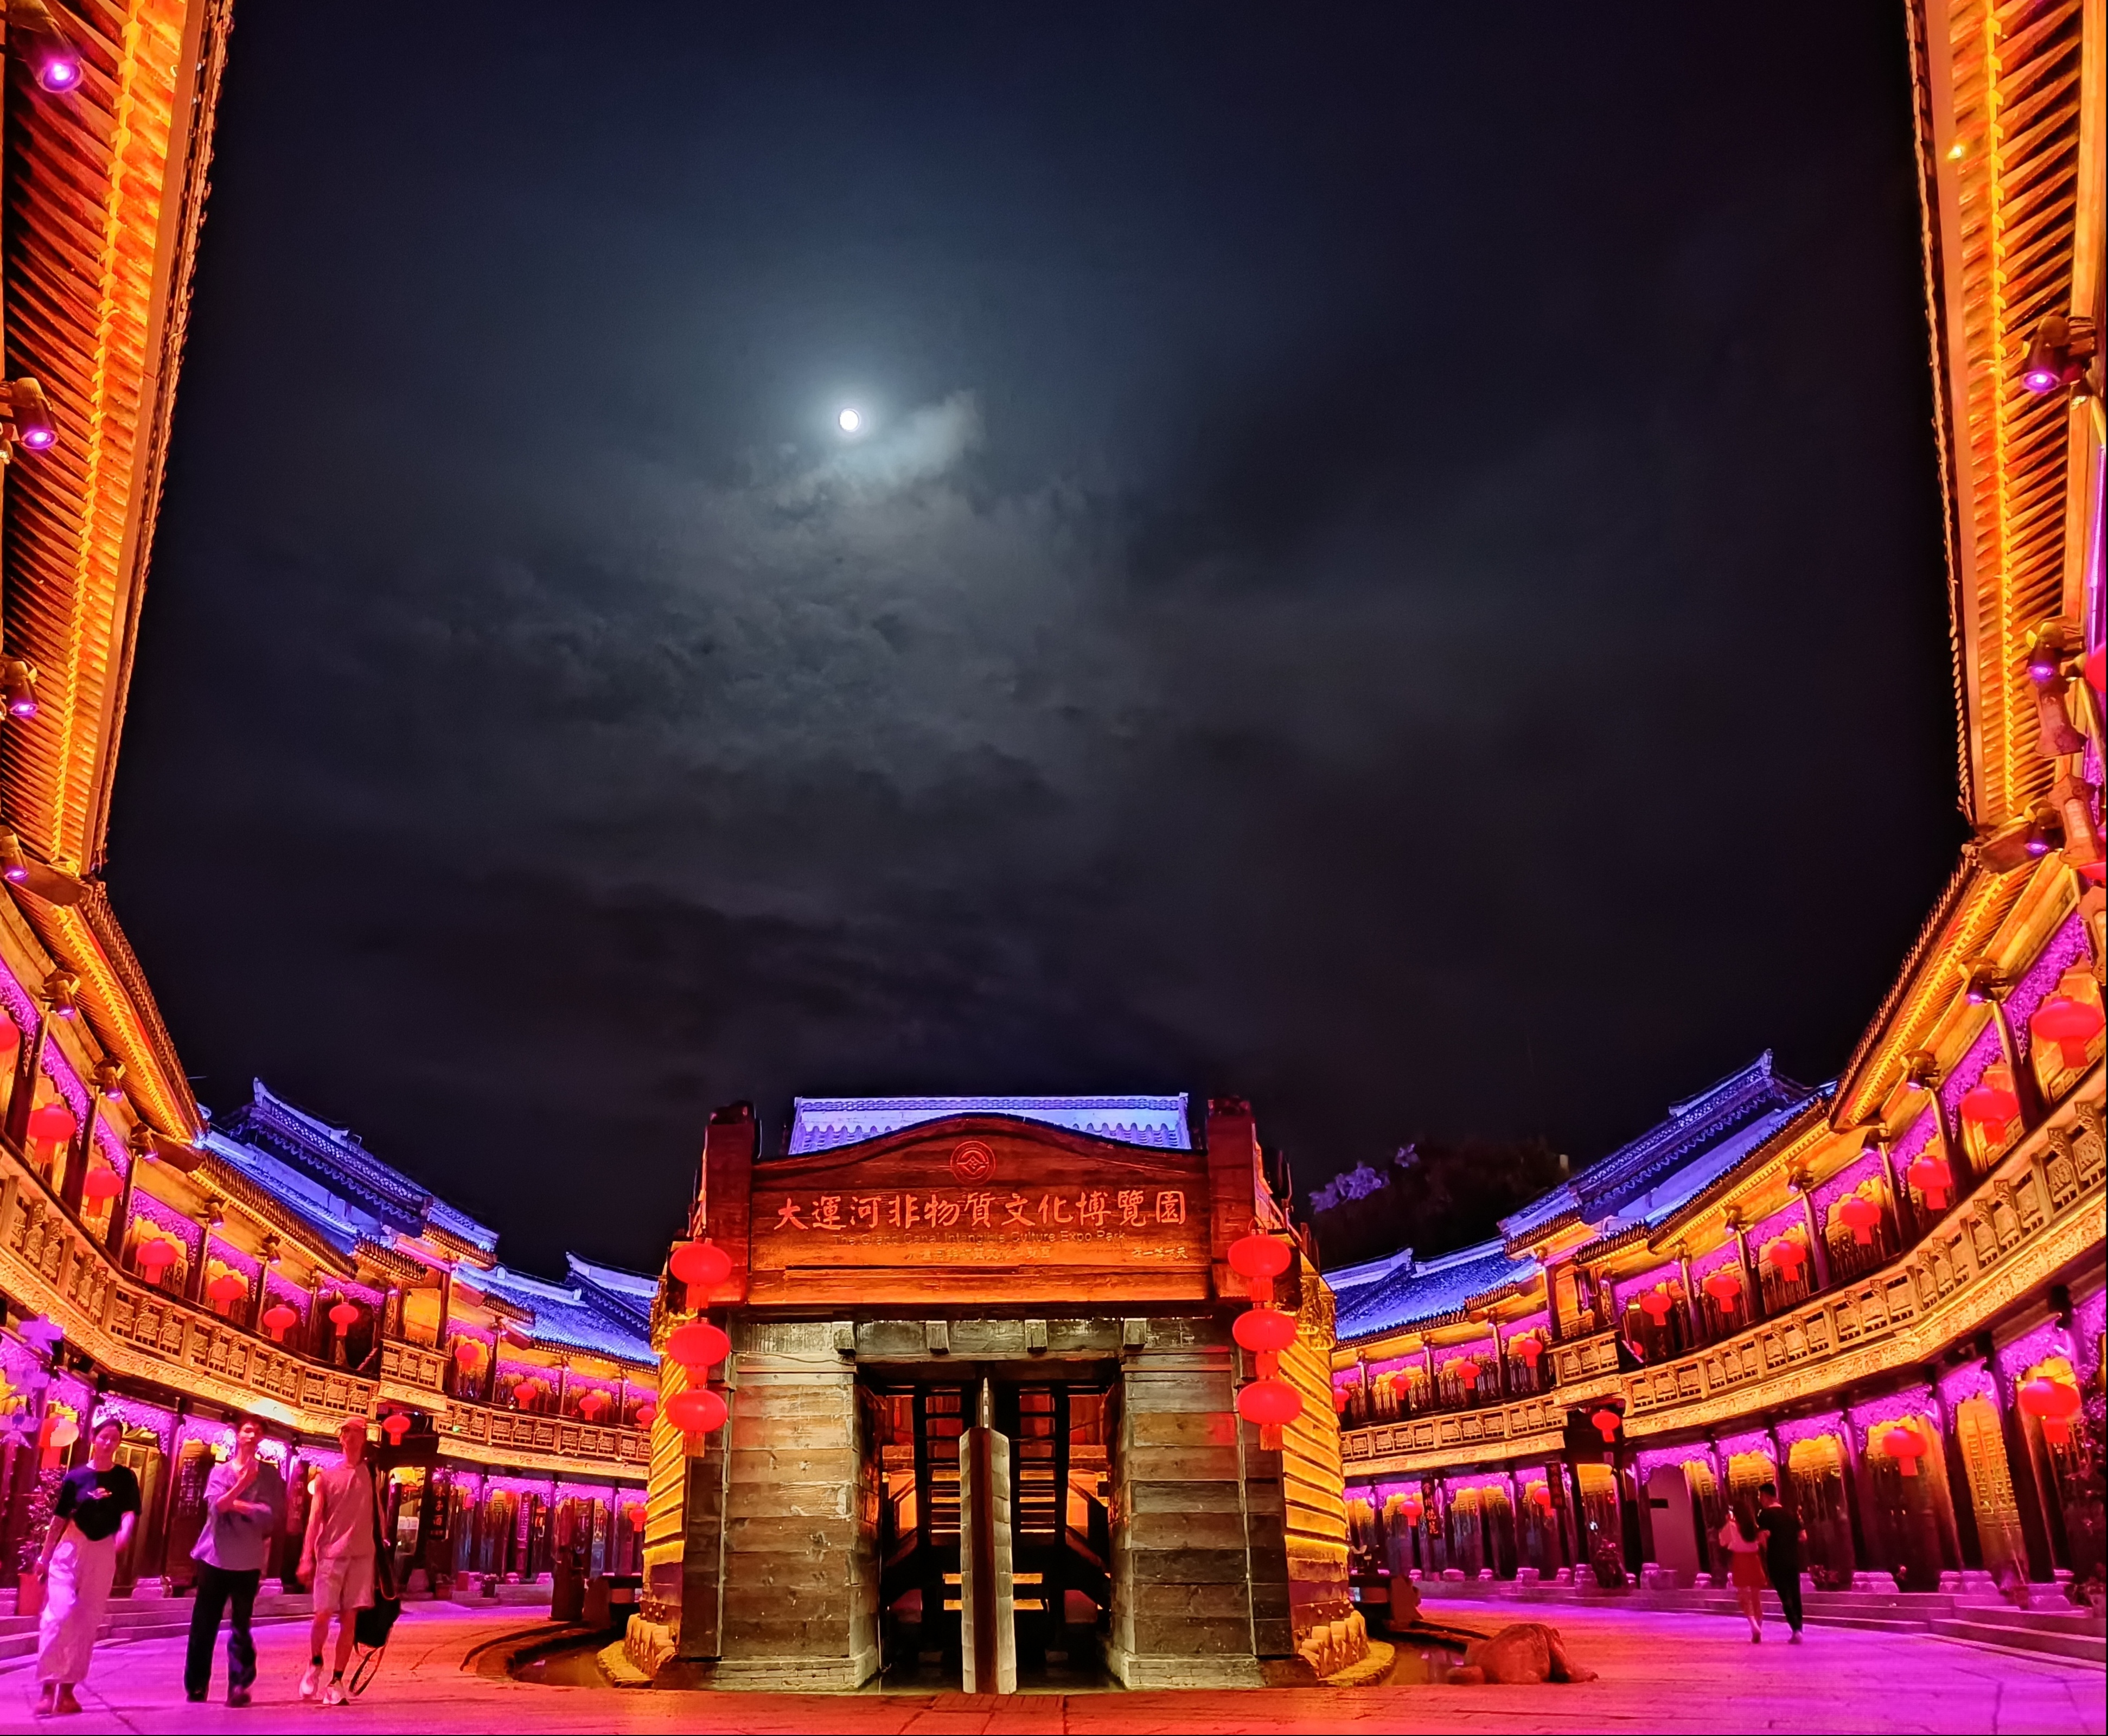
29	415
18	687
2057	356
13	865
2045	830
1982	984
59	988
110	1080
45	49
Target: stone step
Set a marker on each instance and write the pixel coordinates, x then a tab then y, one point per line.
2089	1648
2053	1620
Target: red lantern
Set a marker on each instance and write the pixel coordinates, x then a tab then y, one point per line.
1993	1104
698	1345
11	1036
1258	1256
647	1414
703	1263
344	1316
1467	1371
1414	1507
1932	1178
592	1402
52	1124
1724	1285
1264	1329
396	1425
633	1512
1906	1445
102	1183
1786	1256
1529	1349
1269	1403
1606	1423
156	1255
468	1355
2053	1403
276	1318
698	1411
1540	1493
227	1287
1655	1305
1340	1401
1860	1216
2070	1024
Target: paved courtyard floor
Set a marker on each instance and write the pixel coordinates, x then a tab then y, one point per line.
1659	1672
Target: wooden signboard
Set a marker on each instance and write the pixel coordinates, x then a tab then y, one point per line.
980	1210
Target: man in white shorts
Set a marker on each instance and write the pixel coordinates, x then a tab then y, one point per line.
337	1557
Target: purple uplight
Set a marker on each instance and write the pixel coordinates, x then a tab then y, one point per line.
2037	844
36	439
24	706
18	871
58	72
2041	379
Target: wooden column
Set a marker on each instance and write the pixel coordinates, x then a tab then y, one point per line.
1553	1330
1237	1199
794	1568
1818	1248
2024	1086
29	1058
1693	1318
1753	1289
2028	1492
1198	1566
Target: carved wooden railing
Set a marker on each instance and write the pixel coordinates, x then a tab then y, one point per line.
54	1264
2042	1194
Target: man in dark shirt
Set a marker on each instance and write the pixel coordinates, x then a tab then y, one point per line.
1783	1537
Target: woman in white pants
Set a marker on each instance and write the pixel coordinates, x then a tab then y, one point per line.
91	1521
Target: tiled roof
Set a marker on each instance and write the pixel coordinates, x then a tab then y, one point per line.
569	1316
820	1124
1414	1291
1609	1187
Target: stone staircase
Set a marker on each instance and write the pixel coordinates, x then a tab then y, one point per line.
2053	1629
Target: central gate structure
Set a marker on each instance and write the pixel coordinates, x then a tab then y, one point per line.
1059	1266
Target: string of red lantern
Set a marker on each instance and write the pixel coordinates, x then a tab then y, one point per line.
2052	1403
1993	1104
697	1411
1860	1216
2070	1024
1906	1445
1933	1179
1269	1401
1786	1256
1724	1285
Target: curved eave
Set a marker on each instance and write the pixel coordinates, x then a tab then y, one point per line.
2013	198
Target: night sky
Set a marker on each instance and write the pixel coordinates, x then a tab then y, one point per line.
1394	569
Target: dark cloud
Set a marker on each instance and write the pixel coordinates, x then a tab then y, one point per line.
1394	569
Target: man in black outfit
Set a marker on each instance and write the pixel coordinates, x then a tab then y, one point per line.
1783	1537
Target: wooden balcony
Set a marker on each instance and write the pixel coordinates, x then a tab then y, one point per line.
2038	1210
53	1264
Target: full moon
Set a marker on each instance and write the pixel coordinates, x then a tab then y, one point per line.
850	422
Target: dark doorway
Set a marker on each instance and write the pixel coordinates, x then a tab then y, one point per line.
1061	1433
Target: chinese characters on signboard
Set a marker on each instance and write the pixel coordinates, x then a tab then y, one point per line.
1081	1208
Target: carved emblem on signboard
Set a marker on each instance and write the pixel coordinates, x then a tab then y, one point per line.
972	1162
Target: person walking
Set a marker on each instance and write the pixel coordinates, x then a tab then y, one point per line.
337	1557
1784	1534
91	1521
1746	1572
244	1502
